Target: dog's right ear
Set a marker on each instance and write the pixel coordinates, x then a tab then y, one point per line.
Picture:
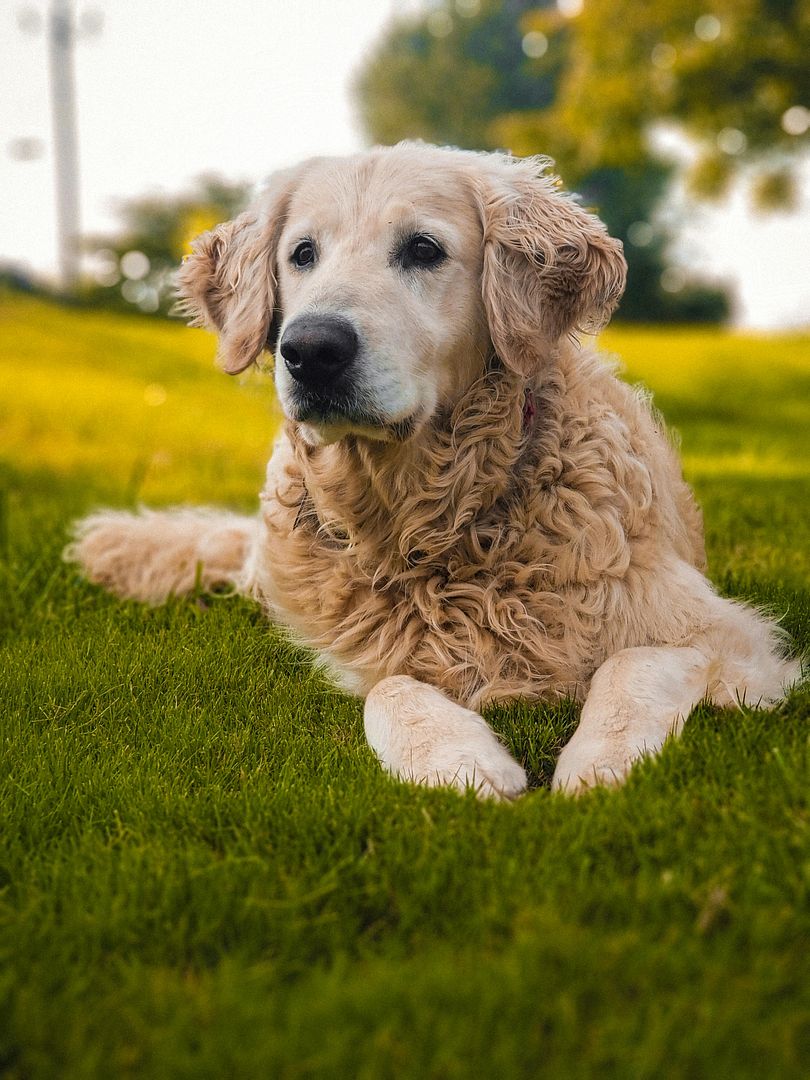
228	282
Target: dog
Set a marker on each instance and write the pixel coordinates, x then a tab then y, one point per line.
465	504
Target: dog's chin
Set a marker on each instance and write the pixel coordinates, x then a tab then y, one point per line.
324	433
317	430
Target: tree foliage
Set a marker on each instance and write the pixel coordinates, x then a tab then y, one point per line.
158	230
733	75
452	87
485	75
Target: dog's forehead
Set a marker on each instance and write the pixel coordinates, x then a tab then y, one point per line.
379	189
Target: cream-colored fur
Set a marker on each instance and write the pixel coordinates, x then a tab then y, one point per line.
492	514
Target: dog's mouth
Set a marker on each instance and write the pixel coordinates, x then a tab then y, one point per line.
325	420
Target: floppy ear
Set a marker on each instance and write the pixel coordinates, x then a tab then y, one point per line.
549	267
228	283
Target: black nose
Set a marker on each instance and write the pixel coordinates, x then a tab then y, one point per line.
317	348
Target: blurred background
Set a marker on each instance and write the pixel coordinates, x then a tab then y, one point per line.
128	128
202	871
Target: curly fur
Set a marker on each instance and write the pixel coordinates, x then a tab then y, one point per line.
483	558
490	562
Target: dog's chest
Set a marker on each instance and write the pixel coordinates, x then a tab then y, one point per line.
485	616
470	592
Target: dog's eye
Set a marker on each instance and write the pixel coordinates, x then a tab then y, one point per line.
304	254
421	250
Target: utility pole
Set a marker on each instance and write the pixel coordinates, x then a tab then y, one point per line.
62	32
61	36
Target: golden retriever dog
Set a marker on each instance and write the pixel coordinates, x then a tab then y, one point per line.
465	504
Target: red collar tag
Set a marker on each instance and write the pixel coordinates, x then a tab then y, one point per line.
529	409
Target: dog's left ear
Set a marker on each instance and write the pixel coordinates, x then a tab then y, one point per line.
549	267
228	283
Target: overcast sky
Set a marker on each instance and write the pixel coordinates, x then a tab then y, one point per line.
173	88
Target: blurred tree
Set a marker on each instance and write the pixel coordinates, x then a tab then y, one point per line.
136	267
733	75
485	74
447	79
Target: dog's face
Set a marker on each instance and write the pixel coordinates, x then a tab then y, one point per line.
379	269
384	281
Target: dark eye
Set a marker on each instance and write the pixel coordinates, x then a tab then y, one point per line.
304	254
421	251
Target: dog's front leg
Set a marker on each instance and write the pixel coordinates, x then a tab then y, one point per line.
637	698
420	735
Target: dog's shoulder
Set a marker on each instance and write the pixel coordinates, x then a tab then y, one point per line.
603	451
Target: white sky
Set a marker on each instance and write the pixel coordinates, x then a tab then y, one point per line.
173	88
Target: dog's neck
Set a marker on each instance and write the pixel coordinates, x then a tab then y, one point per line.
419	498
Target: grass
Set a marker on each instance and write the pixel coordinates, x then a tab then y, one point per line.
203	871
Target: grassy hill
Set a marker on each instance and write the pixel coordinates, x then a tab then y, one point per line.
203	871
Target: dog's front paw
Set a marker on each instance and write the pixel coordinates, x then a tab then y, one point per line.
421	736
582	766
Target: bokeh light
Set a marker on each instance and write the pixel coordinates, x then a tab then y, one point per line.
796	120
133	291
708	28
535	44
640	234
135	265
440	24
663	55
155	394
673	279
104	268
731	141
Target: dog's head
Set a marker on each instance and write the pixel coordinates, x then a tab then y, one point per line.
384	282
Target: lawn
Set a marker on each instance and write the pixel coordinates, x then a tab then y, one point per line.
203	872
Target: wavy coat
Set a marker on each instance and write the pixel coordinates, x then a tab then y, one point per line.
525	532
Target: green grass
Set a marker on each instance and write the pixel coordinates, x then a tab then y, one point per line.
203	872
